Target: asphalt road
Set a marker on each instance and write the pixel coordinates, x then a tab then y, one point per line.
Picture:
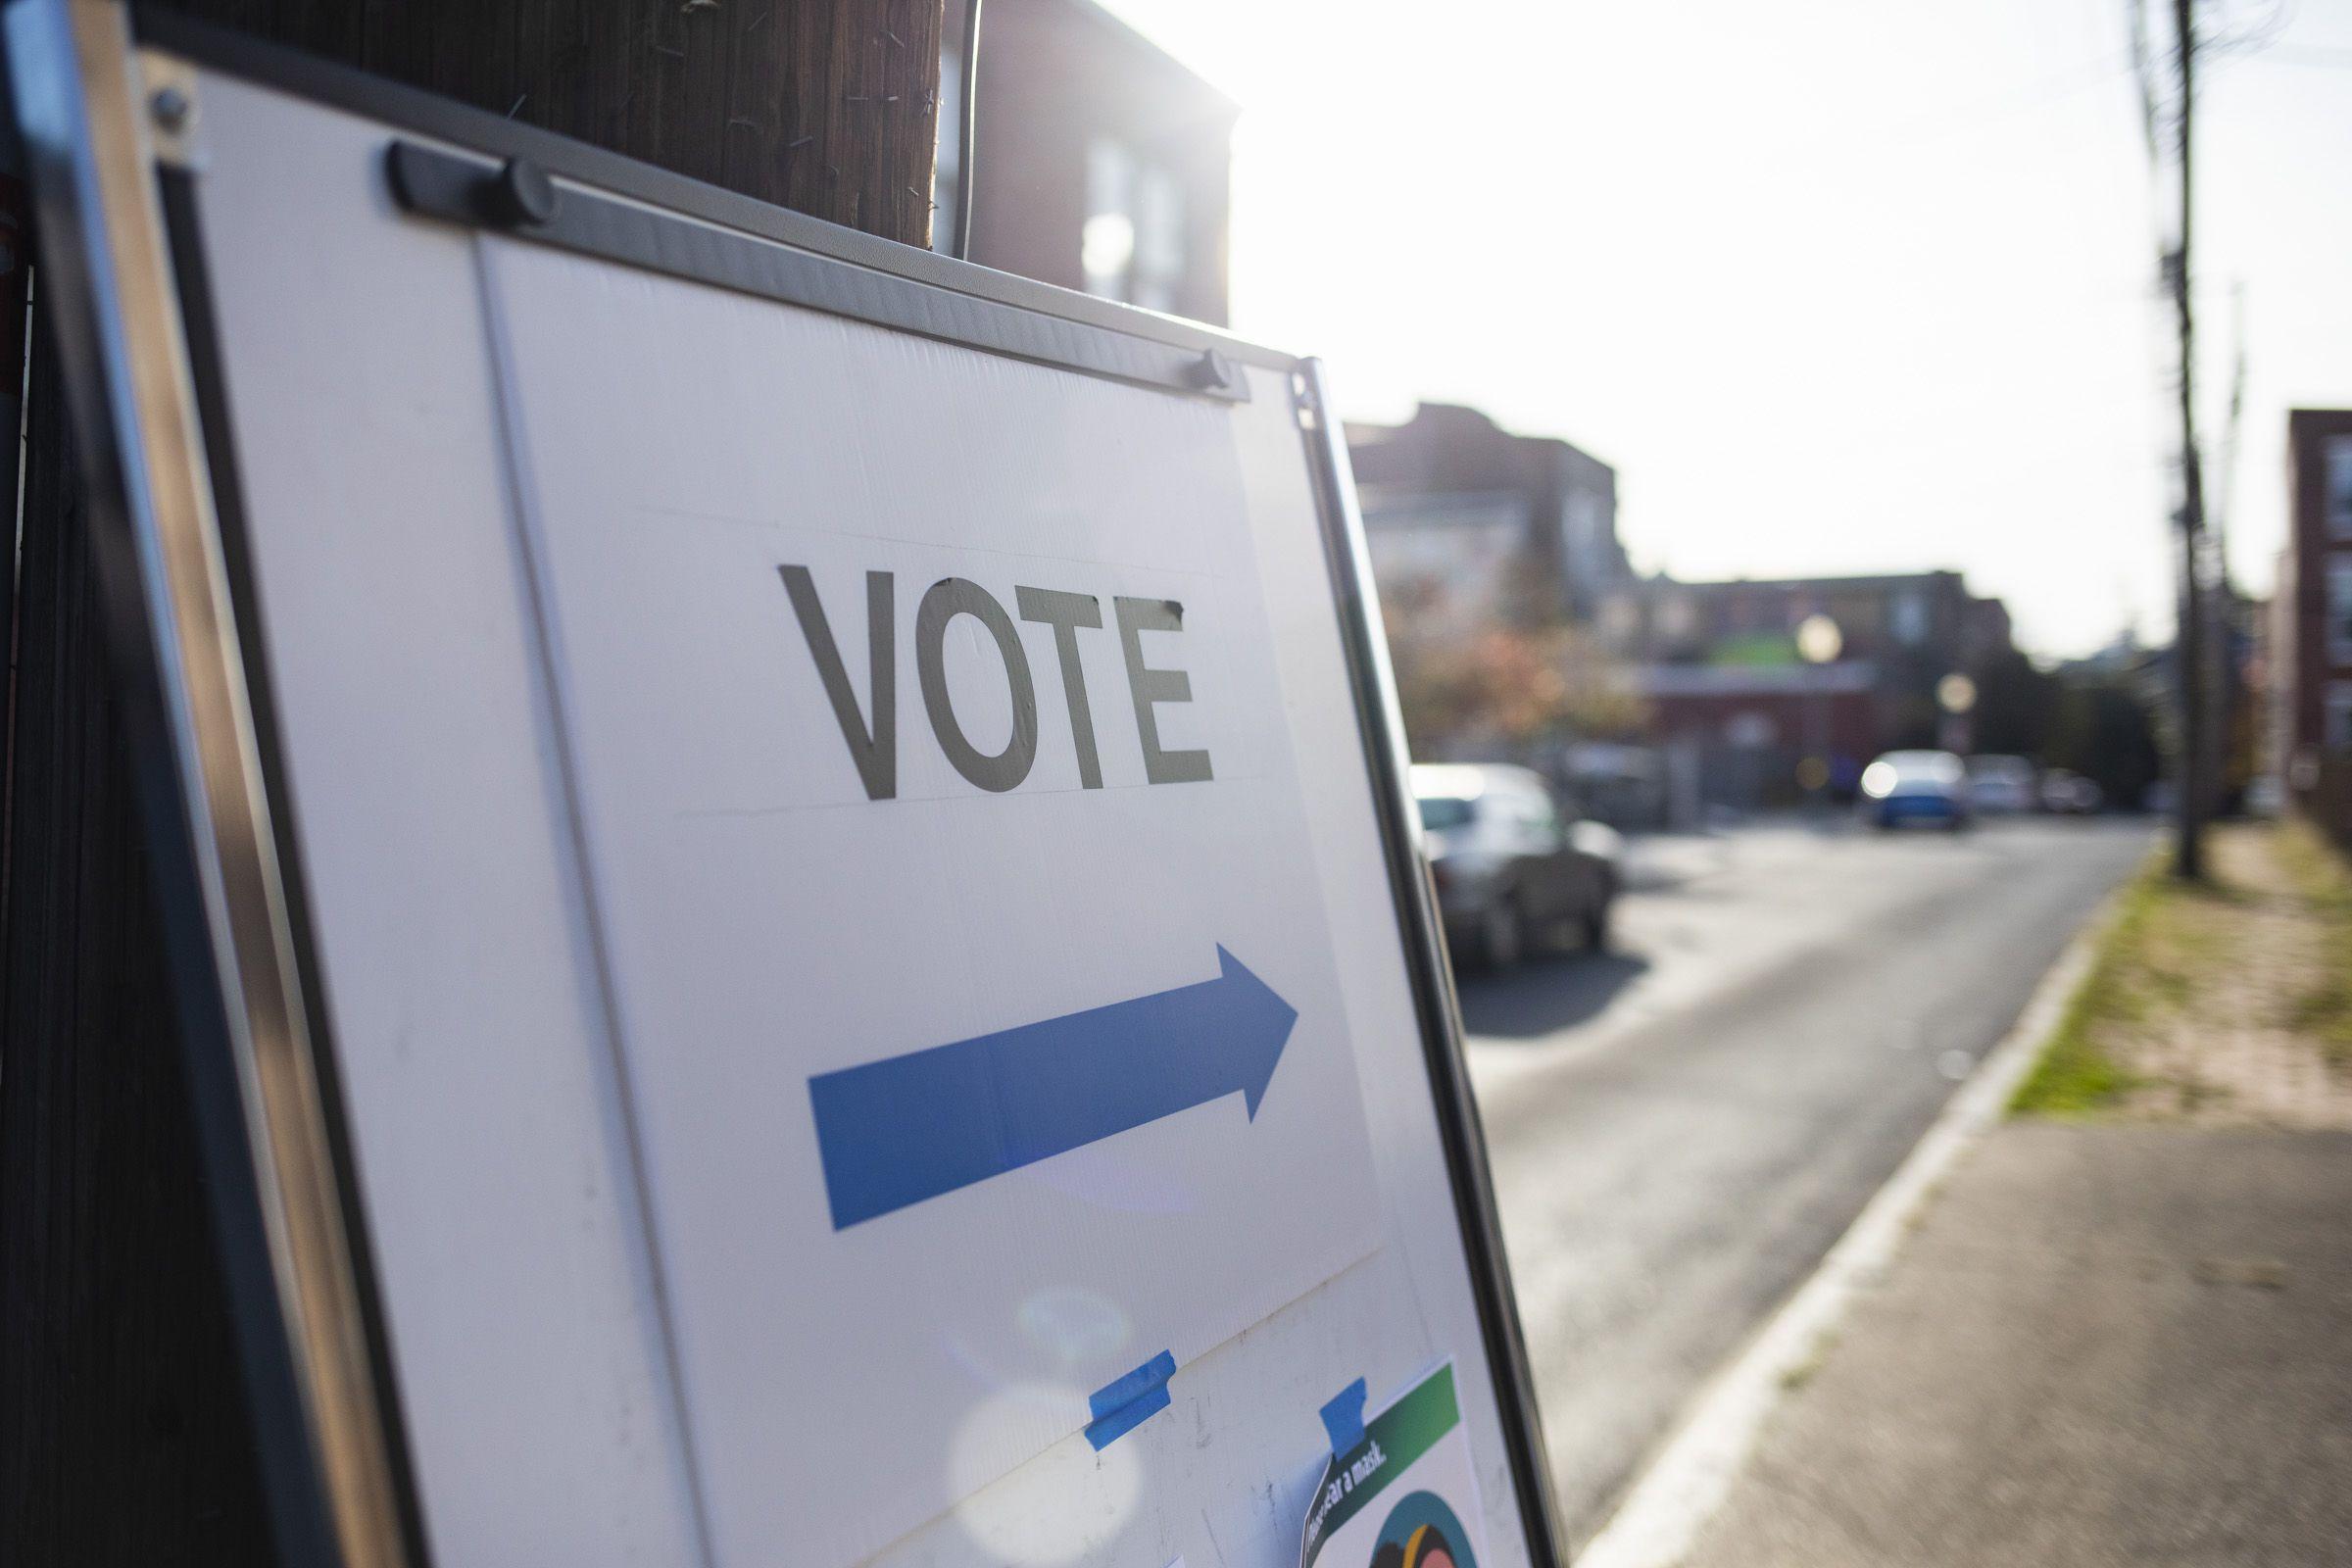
1681	1128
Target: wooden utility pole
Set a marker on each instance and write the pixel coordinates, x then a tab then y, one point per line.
2228	735
123	1435
2188	646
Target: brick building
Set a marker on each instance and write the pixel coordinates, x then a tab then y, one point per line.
1719	665
1918	626
1479	525
2312	633
1105	166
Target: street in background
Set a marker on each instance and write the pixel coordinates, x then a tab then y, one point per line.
1682	1127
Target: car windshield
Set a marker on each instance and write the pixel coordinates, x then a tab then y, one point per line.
1923	767
1442	811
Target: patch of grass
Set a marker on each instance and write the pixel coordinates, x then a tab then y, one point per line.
2076	1075
2171	949
2320	874
2322	880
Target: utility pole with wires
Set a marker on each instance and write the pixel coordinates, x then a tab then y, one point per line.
2189	649
2189	798
2224	695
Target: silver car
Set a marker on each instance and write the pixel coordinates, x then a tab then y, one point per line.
1513	871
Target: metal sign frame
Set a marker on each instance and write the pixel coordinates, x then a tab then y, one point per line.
103	95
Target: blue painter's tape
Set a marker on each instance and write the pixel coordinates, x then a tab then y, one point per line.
1129	1387
1344	1417
1126	1401
1125	1419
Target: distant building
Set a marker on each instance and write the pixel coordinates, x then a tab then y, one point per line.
1921	625
1477	525
1719	665
2311	628
1105	166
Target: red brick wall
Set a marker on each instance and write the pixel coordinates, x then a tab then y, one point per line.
2308	549
1848	721
2322	785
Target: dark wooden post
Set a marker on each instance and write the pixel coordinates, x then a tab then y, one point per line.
124	1436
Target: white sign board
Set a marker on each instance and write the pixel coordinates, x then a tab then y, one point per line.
840	845
1078	811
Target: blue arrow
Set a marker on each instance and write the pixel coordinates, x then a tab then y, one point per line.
895	1132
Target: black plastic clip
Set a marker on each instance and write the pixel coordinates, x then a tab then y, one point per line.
522	193
516	194
1210	372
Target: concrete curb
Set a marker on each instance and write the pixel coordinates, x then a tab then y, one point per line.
1660	1518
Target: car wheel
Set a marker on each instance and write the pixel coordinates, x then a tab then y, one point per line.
1501	935
1597	923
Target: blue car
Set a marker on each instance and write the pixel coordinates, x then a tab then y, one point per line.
1928	789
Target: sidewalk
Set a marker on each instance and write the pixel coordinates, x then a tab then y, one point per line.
2119	1340
2105	1345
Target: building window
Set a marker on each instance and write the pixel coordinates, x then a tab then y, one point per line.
2336	733
1909	619
2340	610
1132	247
2335	487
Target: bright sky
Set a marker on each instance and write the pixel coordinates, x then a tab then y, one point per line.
1847	285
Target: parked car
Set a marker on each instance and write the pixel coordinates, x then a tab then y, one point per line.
2000	786
1513	871
1917	787
2070	794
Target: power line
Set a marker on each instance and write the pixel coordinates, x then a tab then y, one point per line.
2307	59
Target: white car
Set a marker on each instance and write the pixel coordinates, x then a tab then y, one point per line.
1513	871
2001	786
2066	794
